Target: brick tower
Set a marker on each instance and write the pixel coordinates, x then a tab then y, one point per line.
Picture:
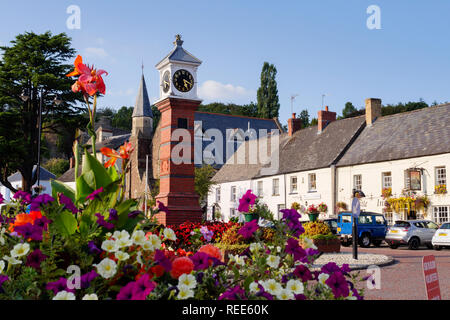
177	104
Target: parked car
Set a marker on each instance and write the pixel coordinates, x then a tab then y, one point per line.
332	224
442	237
411	233
371	227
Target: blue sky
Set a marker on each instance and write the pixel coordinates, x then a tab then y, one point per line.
319	47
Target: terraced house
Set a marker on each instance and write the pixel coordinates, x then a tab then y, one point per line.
398	161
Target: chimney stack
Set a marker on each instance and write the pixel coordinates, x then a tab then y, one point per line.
71	162
325	118
373	110
294	125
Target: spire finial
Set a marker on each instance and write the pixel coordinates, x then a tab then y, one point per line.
178	40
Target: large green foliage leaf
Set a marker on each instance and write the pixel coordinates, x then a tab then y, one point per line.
66	223
60	187
102	178
83	189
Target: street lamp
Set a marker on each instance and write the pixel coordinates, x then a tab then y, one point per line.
25	96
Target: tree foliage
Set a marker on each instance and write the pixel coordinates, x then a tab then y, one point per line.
267	94
304	116
57	166
350	111
203	181
35	62
249	110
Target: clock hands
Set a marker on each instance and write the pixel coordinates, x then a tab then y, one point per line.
186	83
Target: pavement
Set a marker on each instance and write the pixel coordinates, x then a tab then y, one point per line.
404	279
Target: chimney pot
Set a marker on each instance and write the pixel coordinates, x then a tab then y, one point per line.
325	117
294	124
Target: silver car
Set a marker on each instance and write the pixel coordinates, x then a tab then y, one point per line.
412	233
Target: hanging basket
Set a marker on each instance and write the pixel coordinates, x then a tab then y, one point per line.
313	216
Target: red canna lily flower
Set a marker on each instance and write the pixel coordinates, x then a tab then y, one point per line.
90	80
124	153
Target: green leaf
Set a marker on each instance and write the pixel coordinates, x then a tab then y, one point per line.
60	187
247	283
66	223
122	211
83	189
113	173
102	178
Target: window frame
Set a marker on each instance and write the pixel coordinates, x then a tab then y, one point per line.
310	180
437	178
439	216
233	195
355	176
277	185
260	188
385	175
292	190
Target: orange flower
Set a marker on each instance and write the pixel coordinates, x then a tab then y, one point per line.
211	250
24	218
90	80
181	266
124	153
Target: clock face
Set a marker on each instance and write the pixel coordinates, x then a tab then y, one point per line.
183	80
166	81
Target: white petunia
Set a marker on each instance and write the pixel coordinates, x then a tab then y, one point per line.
323	277
138	237
64	295
254	287
295	286
122	256
155	241
255	246
273	261
139	258
124	242
2	265
272	287
107	268
239	260
169	234
184	292
92	296
308	243
285	295
110	246
20	249
187	280
147	245
12	260
2	240
118	235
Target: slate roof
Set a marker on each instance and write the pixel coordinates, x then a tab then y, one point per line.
223	122
69	175
142	107
405	135
45	175
180	54
113	142
305	150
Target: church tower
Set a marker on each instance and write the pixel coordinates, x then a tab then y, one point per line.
141	139
177	103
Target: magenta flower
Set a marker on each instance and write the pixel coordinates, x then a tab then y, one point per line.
113	215
338	285
42	199
292	247
1	198
94	194
101	222
235	293
42	223
303	273
162	207
86	279
248	229
162	260
200	260
2	279
143	287
134	214
35	258
67	202
126	292
23	196
29	231
58	286
246	201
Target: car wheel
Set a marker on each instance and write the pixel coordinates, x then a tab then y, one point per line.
377	243
414	244
364	242
393	246
429	246
437	248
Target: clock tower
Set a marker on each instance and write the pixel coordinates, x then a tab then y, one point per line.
177	103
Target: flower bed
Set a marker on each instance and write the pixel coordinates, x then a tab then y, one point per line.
92	243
